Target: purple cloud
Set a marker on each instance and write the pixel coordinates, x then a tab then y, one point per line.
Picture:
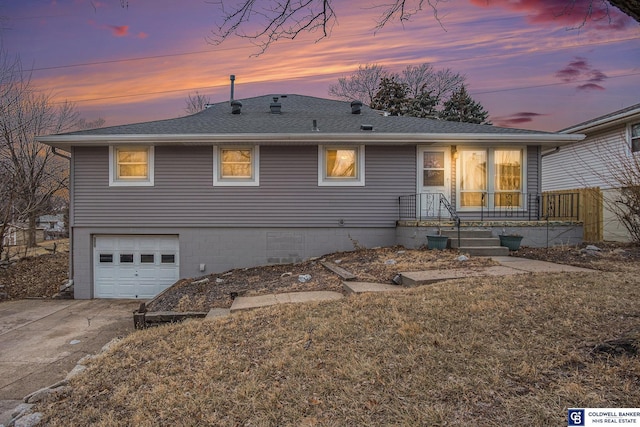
579	69
516	119
590	86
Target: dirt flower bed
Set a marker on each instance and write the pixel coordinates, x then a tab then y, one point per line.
604	256
369	265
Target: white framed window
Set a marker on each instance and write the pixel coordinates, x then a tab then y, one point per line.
236	166
493	177
131	166
341	165
634	137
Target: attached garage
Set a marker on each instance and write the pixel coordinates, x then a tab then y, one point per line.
134	267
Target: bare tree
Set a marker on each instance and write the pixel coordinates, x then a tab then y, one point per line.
609	165
362	85
441	84
276	20
84	124
622	173
36	173
196	103
419	80
7	195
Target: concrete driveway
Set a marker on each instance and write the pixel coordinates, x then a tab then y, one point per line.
41	340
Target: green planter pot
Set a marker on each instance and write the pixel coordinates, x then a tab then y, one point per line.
511	242
437	242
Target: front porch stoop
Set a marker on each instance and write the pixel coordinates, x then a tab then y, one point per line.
476	242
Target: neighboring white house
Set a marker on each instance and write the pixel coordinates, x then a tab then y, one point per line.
17	234
611	140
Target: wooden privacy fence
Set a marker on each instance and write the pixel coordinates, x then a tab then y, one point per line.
587	202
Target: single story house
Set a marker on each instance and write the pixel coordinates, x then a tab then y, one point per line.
611	147
278	179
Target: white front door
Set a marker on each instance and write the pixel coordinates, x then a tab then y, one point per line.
134	266
434	179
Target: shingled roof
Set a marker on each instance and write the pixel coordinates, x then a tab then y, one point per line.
611	119
296	119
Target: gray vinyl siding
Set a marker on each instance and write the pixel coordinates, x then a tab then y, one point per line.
288	194
533	169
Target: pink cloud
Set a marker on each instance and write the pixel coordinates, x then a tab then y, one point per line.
142	35
116	30
516	119
119	30
568	13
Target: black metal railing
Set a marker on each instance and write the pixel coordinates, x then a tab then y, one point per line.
506	205
426	206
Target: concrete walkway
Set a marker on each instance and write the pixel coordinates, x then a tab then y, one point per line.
41	341
508	266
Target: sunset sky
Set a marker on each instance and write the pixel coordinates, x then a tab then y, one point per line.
527	63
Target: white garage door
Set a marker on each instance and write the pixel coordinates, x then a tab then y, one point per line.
134	266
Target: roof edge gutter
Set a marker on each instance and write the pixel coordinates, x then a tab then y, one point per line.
65	141
598	124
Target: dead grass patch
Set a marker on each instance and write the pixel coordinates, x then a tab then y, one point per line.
481	351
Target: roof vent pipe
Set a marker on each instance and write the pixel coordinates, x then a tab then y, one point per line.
315	126
232	77
355	107
236	107
275	106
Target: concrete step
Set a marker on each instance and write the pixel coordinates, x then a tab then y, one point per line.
466	233
362	287
485	250
474	241
418	278
248	303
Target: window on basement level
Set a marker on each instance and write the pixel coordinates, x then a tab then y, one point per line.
635	138
130	166
235	166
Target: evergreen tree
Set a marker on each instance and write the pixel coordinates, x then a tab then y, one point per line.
462	108
391	97
423	105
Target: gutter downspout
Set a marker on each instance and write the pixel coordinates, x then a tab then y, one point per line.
69	283
56	153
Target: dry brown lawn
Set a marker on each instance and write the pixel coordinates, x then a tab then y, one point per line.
493	351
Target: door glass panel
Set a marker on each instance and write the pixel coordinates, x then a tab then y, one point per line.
147	258
433	169
168	258
106	258
126	258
